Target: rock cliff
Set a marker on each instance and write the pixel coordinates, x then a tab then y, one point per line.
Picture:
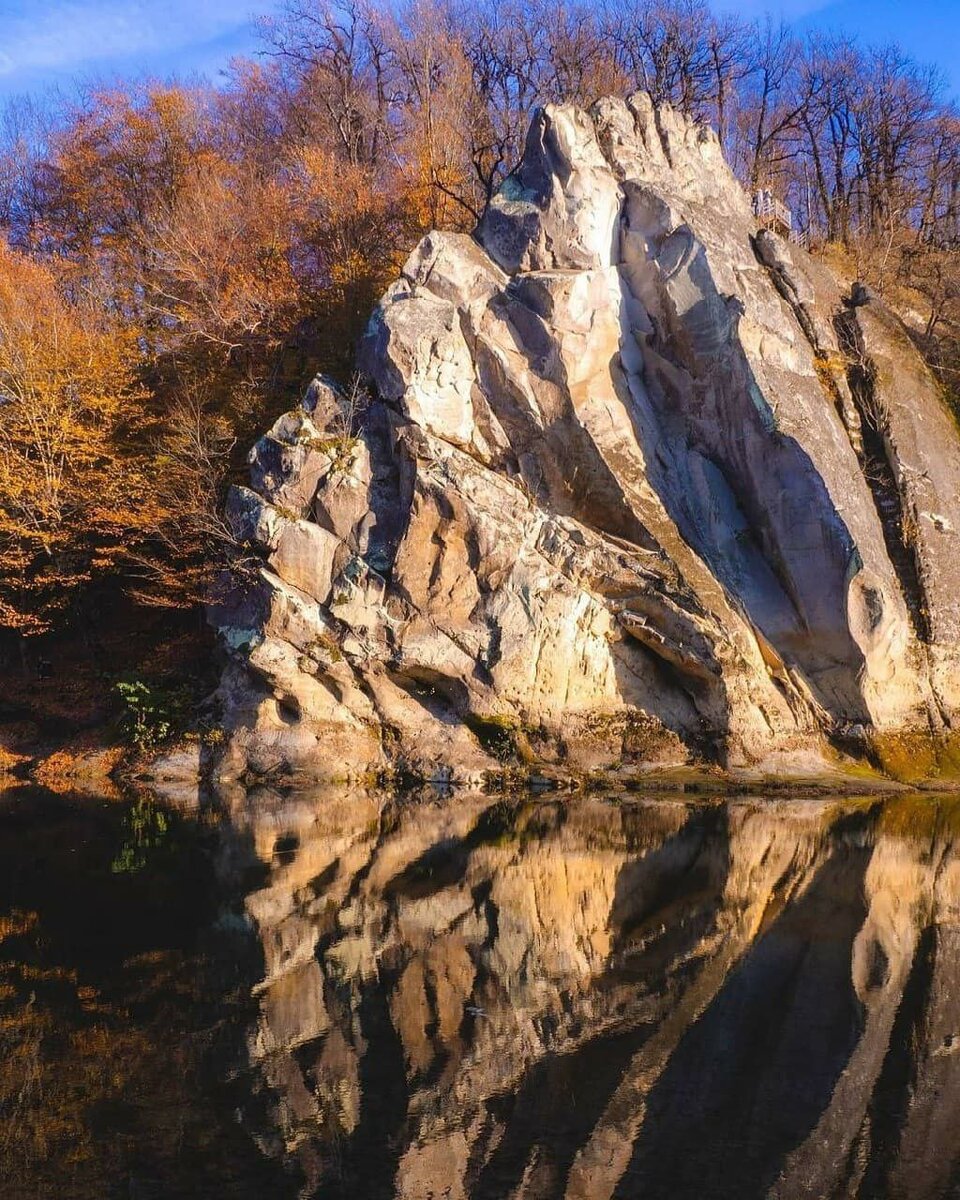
638	482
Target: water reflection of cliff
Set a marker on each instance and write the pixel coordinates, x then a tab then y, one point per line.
593	998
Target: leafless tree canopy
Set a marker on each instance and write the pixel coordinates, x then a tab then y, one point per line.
852	136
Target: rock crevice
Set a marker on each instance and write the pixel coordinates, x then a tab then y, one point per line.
880	469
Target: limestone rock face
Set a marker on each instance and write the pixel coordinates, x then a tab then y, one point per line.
637	482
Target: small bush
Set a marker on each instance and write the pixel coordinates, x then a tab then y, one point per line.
152	714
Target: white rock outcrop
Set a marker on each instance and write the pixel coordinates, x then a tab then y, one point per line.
639	482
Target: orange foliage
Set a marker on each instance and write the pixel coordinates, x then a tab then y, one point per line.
10	759
74	495
218	265
185	259
82	765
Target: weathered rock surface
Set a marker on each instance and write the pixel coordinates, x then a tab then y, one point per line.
638	482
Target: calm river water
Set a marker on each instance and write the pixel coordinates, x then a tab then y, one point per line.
359	995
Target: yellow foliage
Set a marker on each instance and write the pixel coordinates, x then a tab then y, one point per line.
10	759
73	475
16	923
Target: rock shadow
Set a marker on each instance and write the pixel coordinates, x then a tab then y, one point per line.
749	1081
745	496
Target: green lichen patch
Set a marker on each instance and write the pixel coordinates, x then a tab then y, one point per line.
501	736
324	649
915	756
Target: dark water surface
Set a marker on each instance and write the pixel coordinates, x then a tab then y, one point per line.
359	995
118	1006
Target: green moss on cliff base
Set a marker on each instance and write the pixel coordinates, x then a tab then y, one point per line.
916	756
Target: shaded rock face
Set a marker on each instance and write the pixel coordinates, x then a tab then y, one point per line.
637	482
600	998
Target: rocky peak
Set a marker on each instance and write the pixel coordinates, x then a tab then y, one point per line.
639	483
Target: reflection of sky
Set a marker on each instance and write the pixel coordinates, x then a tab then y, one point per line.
48	43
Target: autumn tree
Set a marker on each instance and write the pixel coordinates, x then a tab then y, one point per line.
75	496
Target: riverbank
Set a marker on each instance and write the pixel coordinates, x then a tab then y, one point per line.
134	706
88	763
84	713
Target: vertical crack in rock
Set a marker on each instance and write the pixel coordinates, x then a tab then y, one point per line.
767	251
772	254
881	471
866	421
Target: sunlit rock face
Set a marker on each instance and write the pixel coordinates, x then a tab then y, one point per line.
638	483
605	997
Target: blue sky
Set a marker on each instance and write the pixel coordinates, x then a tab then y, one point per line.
927	29
47	43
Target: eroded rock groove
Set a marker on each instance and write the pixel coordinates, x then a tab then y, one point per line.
880	473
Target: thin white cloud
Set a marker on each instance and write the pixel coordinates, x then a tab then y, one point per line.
58	35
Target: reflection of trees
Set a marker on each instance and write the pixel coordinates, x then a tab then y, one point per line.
110	1010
